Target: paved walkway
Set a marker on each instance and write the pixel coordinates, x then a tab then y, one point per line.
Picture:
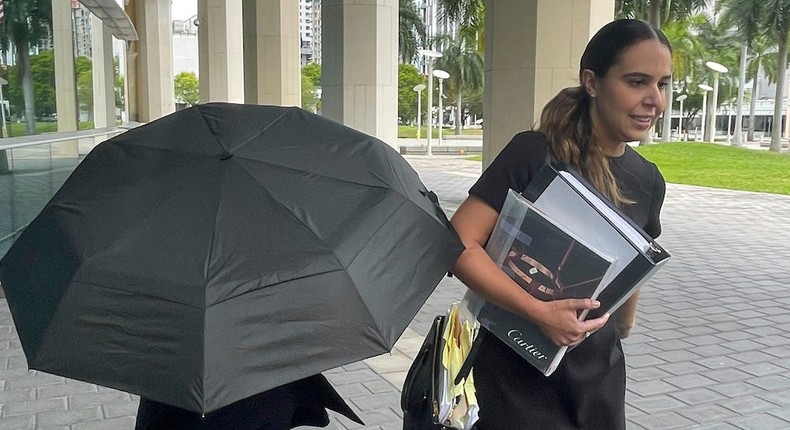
711	349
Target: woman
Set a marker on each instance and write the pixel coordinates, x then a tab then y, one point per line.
300	403
623	74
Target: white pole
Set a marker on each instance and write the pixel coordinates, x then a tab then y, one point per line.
704	118
430	106
712	124
441	114
680	123
2	107
729	122
419	113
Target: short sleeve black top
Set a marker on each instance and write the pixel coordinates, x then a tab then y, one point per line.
514	167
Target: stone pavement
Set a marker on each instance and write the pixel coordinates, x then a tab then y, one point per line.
711	349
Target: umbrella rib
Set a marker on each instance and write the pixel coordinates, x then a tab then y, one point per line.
262	131
219	144
346	181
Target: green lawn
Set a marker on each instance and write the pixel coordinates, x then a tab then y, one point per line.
20	129
719	166
408	131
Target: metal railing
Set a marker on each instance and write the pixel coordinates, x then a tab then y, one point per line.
32	168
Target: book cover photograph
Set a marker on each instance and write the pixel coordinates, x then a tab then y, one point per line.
548	262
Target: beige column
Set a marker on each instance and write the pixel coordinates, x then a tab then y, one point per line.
272	70
360	65
103	75
65	81
532	50
220	56
152	57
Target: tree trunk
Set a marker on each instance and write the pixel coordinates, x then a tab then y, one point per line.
458	115
781	81
666	131
655	12
741	84
753	105
24	71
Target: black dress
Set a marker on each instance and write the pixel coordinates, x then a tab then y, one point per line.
587	391
300	403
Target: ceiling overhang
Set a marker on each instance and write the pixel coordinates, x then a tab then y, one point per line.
114	17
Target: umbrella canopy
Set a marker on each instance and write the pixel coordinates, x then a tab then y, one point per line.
225	250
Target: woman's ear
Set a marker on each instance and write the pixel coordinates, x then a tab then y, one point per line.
587	79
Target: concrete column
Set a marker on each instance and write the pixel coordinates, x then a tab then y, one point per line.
103	75
360	65
272	70
220	56
532	51
152	57
65	80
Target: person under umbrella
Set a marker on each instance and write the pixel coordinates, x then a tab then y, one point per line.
223	257
300	403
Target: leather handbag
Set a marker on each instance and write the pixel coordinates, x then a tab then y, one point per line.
419	398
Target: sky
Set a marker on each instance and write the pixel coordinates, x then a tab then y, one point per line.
183	9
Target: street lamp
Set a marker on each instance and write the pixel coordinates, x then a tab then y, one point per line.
717	69
705	88
441	75
680	122
418	88
430	55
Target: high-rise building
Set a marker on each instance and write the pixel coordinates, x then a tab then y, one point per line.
81	33
81	22
185	45
310	31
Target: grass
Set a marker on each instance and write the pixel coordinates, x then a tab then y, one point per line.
409	131
718	166
20	129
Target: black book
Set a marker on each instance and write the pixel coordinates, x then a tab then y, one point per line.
568	198
549	262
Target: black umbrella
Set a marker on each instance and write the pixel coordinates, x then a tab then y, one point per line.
225	250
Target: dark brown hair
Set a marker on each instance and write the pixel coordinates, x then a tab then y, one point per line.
565	119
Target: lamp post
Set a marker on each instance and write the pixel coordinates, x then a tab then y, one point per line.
430	55
729	121
717	69
680	121
705	88
418	88
441	75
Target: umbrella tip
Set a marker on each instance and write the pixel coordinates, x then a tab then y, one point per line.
225	155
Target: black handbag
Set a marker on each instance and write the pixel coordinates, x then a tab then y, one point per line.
420	389
420	396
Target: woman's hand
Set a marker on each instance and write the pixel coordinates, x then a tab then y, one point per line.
559	320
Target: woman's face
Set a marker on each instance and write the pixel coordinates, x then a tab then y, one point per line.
627	101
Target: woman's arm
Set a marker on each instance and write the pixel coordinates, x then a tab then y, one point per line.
473	221
626	316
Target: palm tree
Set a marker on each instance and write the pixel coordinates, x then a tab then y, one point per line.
776	21
470	16
411	30
685	50
658	12
463	62
744	17
24	23
763	58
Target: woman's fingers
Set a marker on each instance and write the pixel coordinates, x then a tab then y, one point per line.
561	323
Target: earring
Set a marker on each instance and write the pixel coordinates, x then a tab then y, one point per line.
593	95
